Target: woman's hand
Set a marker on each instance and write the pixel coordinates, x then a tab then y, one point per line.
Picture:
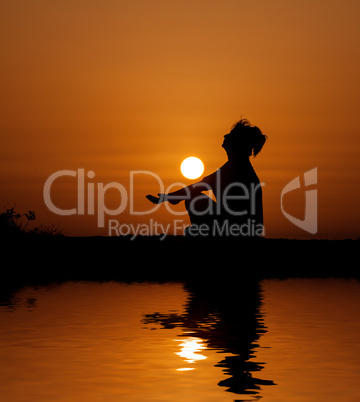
155	200
163	197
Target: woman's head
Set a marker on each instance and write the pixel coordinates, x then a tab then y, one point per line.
244	139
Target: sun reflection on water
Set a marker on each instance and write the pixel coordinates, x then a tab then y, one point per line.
190	348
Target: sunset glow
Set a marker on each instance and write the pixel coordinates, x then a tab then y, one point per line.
114	87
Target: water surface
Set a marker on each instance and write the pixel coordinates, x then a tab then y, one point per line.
290	340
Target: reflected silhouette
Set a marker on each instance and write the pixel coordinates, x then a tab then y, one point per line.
235	186
227	317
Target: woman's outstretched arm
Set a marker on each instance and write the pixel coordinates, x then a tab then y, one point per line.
185	193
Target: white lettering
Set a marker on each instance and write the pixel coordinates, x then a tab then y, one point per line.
47	190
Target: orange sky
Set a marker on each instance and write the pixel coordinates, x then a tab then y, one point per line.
116	86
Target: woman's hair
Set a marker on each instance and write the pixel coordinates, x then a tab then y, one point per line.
248	136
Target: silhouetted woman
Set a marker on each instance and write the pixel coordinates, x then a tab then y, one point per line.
238	208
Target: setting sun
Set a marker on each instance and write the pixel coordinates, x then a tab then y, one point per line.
192	167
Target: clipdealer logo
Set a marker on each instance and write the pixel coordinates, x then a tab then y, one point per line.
309	223
97	192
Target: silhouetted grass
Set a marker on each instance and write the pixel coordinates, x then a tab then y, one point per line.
16	224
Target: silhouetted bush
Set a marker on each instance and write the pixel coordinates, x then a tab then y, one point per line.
13	223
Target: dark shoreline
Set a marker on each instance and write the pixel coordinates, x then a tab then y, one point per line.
175	258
